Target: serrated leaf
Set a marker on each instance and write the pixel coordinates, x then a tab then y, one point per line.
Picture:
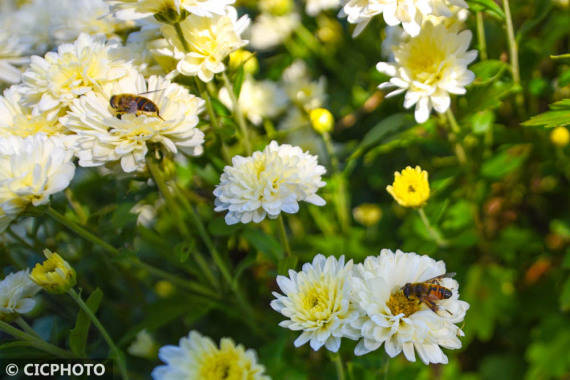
489	6
559	115
78	335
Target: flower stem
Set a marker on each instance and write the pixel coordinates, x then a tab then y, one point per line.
238	114
26	327
213	118
283	235
81	231
456	130
36	342
441	242
481	36
180	35
514	53
119	357
340	197
339	367
173	206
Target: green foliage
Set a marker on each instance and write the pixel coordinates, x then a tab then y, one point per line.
559	115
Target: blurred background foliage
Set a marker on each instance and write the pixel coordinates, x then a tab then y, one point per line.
505	214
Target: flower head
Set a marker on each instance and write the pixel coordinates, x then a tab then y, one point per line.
316	301
207	42
314	7
429	67
410	187
105	138
31	169
135	9
257	99
322	120
367	214
269	31
17	293
144	346
198	357
401	323
301	89
246	59
267	183
409	13
55	274
560	136
52	83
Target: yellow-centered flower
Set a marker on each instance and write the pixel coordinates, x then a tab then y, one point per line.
410	187
367	214
55	274
322	120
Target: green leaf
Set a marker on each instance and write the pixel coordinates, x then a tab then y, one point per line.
559	115
487	71
488	6
238	81
219	227
565	296
504	163
264	243
482	122
481	98
78	336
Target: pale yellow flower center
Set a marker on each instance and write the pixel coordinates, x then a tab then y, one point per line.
27	125
223	365
424	59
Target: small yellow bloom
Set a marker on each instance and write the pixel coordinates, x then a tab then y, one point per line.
560	136
245	58
410	187
276	7
322	120
55	274
367	214
164	288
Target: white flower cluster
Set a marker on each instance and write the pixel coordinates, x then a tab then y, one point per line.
330	299
268	183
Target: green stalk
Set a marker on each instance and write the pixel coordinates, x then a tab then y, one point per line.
283	235
82	232
514	53
119	357
456	130
173	206
339	367
180	35
341	198
26	327
238	114
36	342
481	36
441	242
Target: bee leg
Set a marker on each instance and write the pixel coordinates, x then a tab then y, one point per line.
432	305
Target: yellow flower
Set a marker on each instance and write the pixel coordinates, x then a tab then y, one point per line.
321	120
367	214
410	187
55	274
245	58
276	7
164	288
560	136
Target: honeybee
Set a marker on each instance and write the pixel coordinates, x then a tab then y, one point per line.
429	291
133	104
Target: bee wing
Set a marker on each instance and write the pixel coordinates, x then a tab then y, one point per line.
133	107
430	302
437	279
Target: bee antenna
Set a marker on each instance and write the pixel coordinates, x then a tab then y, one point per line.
152	91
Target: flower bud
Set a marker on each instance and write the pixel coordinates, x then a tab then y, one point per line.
276	7
322	120
560	136
367	214
55	274
164	289
245	58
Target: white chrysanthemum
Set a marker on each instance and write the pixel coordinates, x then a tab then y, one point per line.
409	13
317	302
314	7
267	183
53	82
403	324
17	293
429	67
208	41
198	357
31	169
136	9
301	89
103	137
269	31
257	99
73	17
17	120
12	55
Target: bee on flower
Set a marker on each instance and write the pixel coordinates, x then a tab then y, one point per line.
430	67
198	357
